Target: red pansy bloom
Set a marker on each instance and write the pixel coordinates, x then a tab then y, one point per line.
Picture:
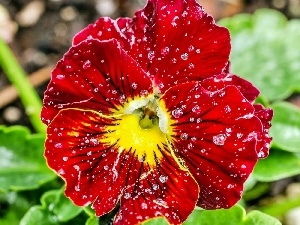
145	113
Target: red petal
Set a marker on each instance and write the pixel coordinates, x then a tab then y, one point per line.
166	191
225	79
176	41
215	134
97	171
264	140
182	36
103	29
94	75
75	151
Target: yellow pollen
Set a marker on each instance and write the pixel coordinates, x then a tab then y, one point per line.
143	142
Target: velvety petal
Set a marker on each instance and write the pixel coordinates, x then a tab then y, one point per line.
166	191
222	80
264	140
94	75
215	134
91	168
175	33
181	35
104	29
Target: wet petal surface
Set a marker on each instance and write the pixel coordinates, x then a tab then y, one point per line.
203	49
225	79
97	76
99	168
264	139
215	134
151	38
167	190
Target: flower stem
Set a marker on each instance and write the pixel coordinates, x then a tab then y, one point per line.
29	97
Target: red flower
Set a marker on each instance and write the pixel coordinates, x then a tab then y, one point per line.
144	112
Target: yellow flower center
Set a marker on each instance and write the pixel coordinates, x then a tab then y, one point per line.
142	137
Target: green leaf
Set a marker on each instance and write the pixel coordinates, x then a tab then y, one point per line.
233	216
63	208
92	221
285	128
265	51
22	165
55	209
278	165
37	215
13	206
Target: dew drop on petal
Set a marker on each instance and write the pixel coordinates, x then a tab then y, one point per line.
227	109
184	136
58	145
191	48
164	51
144	205
144	93
177	113
60	76
76	167
151	55
163	178
155	186
191	66
87	64
127	195
185	56
65	158
134	85
219	139
69	68
196	109
198	50
174	60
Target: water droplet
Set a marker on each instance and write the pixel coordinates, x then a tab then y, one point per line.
127	195
198	50
65	158
86	65
174	60
219	139
196	109
144	93
151	55
77	188
184	136
60	76
76	167
69	68
164	51
96	89
58	145
134	85
227	109
192	119
191	66
163	178
144	205
61	171
155	186
177	113
191	48
105	167
185	56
